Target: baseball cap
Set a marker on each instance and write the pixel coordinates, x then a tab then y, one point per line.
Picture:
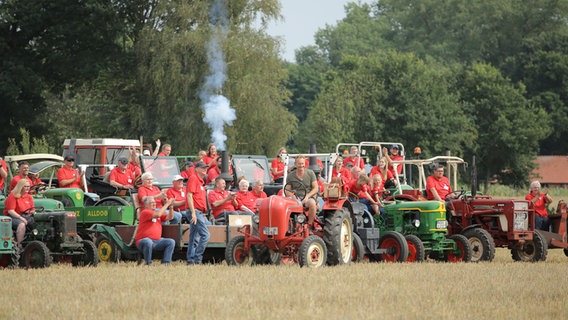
69	157
123	160
200	164
394	146
146	152
189	163
177	177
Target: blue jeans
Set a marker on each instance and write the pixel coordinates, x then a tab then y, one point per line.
541	223
147	245
175	220
198	237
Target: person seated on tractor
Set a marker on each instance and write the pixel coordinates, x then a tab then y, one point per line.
121	177
355	172
149	233
223	203
377	191
540	199
3	175
20	206
148	189
257	192
177	192
69	177
354	158
339	171
215	171
23	171
134	163
188	169
394	156
245	200
306	178
277	166
386	176
360	188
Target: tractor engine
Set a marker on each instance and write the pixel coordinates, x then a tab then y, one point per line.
57	229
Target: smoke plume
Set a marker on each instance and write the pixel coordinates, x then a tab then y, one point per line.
217	108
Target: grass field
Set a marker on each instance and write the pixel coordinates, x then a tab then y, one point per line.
502	289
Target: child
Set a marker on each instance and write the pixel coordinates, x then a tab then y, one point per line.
360	188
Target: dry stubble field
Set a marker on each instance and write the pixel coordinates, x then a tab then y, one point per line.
501	289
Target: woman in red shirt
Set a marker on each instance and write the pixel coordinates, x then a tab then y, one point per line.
20	206
277	167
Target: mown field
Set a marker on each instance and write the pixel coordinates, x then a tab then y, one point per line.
501	289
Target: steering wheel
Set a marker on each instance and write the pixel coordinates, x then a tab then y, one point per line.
32	209
353	196
297	188
36	188
457	196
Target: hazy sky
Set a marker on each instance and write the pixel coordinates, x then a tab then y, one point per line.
302	18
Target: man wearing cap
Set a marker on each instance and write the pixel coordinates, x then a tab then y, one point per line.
69	177
177	192
121	176
394	156
189	170
197	206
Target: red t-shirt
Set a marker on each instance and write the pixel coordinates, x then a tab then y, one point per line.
65	173
215	195
358	190
149	227
195	186
375	170
398	157
353	160
212	174
18	204
279	166
15	180
124	178
247	199
441	185
178	195
188	173
207	160
2	180
144	191
135	169
539	205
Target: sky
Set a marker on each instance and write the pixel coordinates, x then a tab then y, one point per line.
302	19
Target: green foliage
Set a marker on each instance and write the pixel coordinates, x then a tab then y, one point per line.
36	145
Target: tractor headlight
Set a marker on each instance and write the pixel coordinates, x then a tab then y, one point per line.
256	219
301	218
416	223
35	232
5	244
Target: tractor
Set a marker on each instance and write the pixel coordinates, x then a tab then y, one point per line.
9	253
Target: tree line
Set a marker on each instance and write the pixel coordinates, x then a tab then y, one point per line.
485	77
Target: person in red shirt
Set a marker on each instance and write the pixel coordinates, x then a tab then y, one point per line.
197	206
394	156
214	172
177	192
277	166
437	186
210	157
377	190
121	176
188	171
166	150
245	200
149	189
222	201
3	175
354	158
69	177
339	171
360	189
386	175
539	198
20	206
134	163
149	233
24	170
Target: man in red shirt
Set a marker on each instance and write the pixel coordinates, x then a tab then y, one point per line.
177	192
215	171
3	175
197	206
394	156
257	192
121	176
188	171
354	158
69	177
222	201
24	170
166	150
149	232
437	186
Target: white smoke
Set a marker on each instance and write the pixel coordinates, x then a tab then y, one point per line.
217	108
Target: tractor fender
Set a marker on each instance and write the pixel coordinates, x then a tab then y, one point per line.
334	205
473	226
114	198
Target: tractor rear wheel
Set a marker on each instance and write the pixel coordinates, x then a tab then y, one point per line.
235	253
338	236
531	251
36	255
313	252
463	252
89	257
358	251
396	246
482	244
416	250
107	250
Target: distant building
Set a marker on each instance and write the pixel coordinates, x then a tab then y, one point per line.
551	171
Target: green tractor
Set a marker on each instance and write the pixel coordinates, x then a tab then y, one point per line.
9	253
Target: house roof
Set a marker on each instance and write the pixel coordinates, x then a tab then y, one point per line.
551	169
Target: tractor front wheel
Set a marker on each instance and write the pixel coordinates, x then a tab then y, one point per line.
416	250
396	246
89	256
338	236
531	251
107	250
482	244
312	252
36	255
463	251
235	253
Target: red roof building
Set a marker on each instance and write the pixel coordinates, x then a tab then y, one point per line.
551	171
